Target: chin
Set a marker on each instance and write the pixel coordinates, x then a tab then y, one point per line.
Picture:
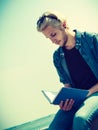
61	44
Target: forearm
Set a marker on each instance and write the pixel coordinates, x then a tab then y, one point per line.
93	89
67	85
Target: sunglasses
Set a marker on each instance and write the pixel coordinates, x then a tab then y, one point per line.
40	21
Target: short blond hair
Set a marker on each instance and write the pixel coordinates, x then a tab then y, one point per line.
50	18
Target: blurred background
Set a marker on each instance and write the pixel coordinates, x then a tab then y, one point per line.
26	55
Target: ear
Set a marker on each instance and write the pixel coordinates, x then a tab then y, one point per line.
64	24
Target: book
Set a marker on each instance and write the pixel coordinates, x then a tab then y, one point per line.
78	95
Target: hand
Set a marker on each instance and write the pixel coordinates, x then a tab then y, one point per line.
93	89
89	93
66	105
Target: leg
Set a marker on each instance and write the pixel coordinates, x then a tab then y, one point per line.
63	120
86	113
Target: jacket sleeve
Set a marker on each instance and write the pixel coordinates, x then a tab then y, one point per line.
93	43
59	68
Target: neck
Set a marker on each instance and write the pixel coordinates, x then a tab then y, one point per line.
70	40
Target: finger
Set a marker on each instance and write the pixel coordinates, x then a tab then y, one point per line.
65	105
70	104
61	104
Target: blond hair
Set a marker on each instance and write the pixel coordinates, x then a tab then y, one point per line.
50	18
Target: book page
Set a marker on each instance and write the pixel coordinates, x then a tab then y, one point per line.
49	95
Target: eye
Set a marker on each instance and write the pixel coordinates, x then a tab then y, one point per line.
53	34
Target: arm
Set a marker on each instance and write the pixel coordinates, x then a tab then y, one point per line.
67	105
59	68
67	85
93	89
95	42
92	39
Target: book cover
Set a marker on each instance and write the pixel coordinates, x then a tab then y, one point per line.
78	95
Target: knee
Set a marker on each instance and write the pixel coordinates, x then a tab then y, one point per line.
79	119
80	122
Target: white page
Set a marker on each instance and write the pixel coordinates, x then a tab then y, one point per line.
49	95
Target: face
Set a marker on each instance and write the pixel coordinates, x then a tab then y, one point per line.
57	36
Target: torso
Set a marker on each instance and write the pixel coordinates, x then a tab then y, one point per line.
81	74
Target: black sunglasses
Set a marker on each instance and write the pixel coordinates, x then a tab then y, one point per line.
40	21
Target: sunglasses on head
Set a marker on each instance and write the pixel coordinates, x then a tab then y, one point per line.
40	21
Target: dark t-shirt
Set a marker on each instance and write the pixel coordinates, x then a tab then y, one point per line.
80	72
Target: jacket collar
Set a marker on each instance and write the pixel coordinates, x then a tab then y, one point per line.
78	37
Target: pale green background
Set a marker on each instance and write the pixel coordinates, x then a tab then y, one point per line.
26	56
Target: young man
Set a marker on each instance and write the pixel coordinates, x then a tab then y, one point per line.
76	62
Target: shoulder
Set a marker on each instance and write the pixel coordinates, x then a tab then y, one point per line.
86	37
89	35
91	38
85	34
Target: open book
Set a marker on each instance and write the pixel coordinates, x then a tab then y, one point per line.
78	95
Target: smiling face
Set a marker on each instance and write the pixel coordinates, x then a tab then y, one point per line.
56	35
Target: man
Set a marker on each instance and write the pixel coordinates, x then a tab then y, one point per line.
76	62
